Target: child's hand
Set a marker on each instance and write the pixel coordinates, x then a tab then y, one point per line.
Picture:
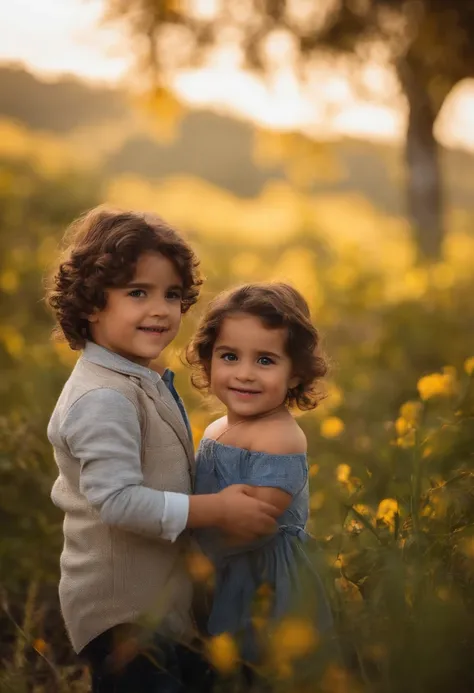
244	517
235	512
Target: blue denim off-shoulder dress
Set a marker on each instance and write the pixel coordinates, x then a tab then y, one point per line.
278	561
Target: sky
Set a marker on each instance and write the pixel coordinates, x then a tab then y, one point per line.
53	37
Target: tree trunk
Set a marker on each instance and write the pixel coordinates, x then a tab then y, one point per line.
424	183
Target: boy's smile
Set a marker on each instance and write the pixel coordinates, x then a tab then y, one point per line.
142	318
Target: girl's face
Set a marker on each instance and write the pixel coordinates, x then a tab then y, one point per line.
250	369
141	319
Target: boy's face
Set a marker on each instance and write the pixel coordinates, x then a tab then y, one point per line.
142	318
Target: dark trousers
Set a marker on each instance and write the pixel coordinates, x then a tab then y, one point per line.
126	660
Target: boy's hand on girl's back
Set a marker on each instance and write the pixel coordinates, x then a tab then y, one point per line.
245	517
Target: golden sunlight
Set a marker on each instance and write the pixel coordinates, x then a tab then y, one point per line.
66	36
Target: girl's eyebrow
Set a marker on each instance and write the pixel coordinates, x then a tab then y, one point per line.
270	353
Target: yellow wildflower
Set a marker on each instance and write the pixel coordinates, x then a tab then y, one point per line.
408	440
332	427
40	645
263	602
199	567
469	366
13	341
451	371
343	472
316	500
436	385
402	426
9	281
265	590
387	510
294	638
428	511
410	411
363	509
335	396
439	503
223	653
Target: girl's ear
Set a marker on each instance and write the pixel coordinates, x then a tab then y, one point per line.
294	382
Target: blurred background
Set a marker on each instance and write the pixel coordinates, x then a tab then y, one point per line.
328	144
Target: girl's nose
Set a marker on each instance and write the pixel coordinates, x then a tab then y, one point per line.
245	372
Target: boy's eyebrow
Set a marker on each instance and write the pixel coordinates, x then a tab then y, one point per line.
139	285
223	347
148	285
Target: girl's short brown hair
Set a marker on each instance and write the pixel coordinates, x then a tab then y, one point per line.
277	305
103	247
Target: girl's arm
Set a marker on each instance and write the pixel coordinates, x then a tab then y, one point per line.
274	496
277	438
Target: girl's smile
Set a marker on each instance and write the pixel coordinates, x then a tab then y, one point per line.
244	393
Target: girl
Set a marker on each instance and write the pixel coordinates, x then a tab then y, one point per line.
257	352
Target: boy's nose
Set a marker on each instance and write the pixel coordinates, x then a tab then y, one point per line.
160	309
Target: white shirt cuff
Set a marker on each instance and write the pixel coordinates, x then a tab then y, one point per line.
175	515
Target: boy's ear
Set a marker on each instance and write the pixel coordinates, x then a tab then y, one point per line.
93	317
294	382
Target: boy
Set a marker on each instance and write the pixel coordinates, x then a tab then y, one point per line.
121	442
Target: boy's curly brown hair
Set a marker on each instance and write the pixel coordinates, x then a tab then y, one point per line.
277	305
103	247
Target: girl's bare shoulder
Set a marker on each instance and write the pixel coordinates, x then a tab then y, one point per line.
216	428
280	436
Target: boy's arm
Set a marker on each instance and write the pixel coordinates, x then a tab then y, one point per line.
102	431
